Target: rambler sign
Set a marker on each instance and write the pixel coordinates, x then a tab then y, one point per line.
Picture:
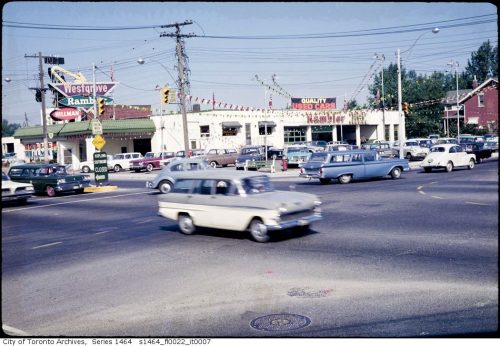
81	101
86	89
314	103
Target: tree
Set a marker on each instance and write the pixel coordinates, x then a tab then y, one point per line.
483	64
8	129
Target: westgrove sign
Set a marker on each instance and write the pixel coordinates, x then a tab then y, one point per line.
314	103
74	89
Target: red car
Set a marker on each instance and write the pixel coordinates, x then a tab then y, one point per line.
150	161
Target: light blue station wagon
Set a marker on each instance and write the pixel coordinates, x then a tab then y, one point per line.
352	164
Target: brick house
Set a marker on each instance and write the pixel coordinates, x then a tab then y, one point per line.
478	106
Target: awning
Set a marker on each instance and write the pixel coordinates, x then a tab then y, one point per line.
231	124
267	123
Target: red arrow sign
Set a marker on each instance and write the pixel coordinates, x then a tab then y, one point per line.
65	114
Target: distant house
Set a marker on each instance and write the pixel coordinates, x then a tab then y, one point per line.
478	106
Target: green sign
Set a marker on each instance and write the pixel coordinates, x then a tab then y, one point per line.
100	168
82	101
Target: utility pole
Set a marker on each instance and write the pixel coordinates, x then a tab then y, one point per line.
182	76
42	96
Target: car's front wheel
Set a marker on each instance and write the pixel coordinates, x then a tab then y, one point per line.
86	169
149	167
213	164
186	224
258	231
165	187
396	173
471	164
117	168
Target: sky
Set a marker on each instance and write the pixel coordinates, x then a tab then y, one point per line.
302	49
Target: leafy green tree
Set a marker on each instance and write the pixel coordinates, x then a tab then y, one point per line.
483	64
8	129
424	93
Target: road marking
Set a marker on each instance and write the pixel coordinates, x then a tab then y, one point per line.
475	203
145	221
51	244
421	192
420	187
437	197
13	331
72	202
101	232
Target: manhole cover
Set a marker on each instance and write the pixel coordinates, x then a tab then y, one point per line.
280	322
307	292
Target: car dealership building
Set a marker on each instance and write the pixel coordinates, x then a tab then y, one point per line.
71	142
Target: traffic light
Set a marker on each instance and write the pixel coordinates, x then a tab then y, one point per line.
165	95
405	107
101	106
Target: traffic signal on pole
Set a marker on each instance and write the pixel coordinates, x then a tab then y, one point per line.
101	105
405	107
165	95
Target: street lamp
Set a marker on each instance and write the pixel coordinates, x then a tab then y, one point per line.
401	125
382	57
455	64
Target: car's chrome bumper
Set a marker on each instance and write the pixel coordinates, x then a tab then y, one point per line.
17	196
75	185
302	221
310	175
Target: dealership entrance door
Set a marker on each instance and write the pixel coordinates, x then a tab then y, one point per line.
322	133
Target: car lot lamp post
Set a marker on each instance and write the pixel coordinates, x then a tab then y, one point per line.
401	125
382	57
455	64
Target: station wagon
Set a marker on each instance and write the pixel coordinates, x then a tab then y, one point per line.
352	164
49	178
239	201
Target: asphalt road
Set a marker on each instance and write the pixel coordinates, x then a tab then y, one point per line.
411	257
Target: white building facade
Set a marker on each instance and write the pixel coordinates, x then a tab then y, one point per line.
279	128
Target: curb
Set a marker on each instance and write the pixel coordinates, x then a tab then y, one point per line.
100	188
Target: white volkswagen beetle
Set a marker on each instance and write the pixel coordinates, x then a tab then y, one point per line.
448	156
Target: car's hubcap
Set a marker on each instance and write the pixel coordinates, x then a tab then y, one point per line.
259	231
186	224
165	188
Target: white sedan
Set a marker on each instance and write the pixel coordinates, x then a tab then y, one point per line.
448	156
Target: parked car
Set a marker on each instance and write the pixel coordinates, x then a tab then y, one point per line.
221	157
14	191
275	153
384	150
315	146
150	161
448	156
49	178
446	140
197	152
340	147
239	201
412	150
178	167
251	156
492	145
434	138
297	154
88	166
122	161
353	164
477	149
